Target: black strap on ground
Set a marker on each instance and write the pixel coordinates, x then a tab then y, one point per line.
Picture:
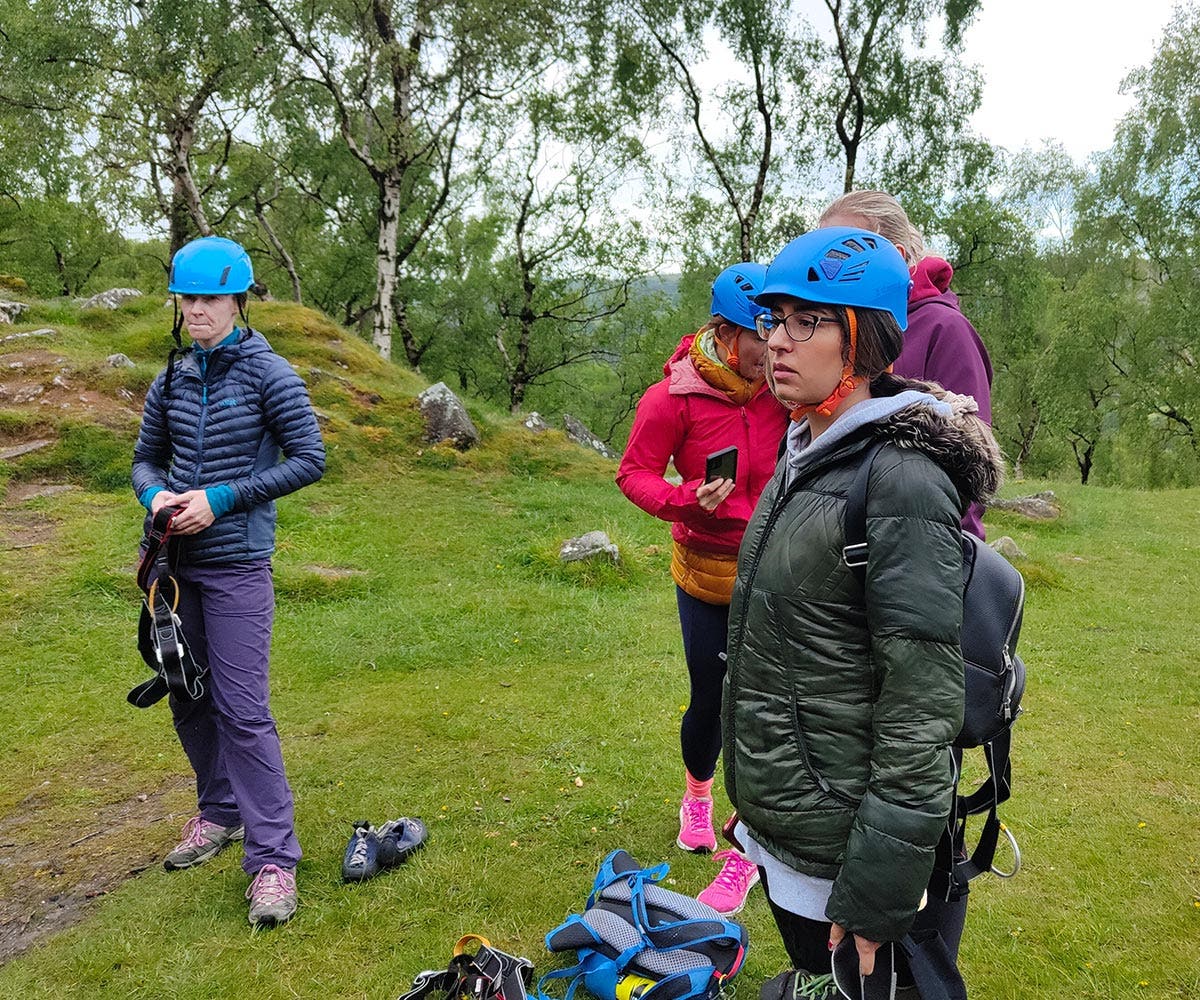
160	632
490	974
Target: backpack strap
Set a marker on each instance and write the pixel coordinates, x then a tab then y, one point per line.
854	552
998	787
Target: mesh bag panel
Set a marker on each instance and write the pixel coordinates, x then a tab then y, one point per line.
620	934
682	907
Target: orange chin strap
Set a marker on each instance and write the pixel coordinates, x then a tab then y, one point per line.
846	384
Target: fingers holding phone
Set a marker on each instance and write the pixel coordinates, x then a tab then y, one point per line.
720	475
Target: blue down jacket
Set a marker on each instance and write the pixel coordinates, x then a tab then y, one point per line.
229	425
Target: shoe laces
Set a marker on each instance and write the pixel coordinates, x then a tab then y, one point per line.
359	855
735	873
195	833
696	812
271	885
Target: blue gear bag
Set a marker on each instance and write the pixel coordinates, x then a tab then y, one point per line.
636	939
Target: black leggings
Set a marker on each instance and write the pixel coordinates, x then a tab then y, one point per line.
705	632
807	941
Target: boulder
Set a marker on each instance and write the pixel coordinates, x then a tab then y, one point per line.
1008	548
1040	506
535	423
446	419
119	361
578	433
9	311
111	299
590	546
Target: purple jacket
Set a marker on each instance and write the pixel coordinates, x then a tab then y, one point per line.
942	346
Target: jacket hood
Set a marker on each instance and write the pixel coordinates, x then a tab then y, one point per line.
681	352
961	444
930	278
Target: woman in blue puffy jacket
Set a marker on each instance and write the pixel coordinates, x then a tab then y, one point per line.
226	429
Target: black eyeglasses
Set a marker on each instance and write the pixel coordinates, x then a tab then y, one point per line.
799	326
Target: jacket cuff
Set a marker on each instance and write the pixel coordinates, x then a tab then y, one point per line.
221	499
148	495
889	858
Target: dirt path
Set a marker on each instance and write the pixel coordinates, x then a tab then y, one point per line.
51	875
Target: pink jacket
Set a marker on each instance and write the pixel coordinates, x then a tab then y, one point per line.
686	419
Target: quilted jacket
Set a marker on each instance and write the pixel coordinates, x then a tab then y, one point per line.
840	704
228	425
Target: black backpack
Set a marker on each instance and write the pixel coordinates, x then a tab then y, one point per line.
993	604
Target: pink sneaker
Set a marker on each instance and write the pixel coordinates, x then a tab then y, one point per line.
696	825
729	889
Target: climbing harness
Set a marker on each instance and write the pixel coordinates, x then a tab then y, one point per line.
160	632
489	974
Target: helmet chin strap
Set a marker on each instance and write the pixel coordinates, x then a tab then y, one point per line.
846	384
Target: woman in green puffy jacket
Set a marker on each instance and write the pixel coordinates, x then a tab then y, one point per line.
841	701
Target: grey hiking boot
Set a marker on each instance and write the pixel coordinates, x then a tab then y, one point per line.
201	840
272	896
799	985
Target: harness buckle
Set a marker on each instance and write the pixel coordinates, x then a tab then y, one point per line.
855	555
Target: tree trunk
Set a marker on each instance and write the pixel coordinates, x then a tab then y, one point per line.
412	350
181	138
1083	458
1025	442
288	264
385	262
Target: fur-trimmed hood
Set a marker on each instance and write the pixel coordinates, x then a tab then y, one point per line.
961	444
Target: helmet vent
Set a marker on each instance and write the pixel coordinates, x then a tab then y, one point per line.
224	276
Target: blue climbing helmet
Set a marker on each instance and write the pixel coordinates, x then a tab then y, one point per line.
841	266
211	265
733	292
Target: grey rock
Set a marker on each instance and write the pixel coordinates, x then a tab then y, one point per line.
1008	548
590	546
21	393
9	311
1040	507
446	418
23	449
119	361
111	299
44	332
578	433
535	422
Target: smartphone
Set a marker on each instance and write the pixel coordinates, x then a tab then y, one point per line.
721	464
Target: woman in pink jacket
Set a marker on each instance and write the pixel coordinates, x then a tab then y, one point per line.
714	396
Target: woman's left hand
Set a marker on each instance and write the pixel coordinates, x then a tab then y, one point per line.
196	514
710	495
866	949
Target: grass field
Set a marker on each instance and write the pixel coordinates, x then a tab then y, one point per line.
528	712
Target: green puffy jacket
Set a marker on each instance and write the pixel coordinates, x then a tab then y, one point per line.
840	704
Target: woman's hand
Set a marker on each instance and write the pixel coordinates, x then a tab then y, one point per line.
195	516
709	495
866	949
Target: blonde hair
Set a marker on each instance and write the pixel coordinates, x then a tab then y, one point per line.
882	214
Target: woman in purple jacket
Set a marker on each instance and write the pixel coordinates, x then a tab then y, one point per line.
227	428
940	344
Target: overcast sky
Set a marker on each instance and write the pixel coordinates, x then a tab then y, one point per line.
1052	68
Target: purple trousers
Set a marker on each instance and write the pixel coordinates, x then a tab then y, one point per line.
229	735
